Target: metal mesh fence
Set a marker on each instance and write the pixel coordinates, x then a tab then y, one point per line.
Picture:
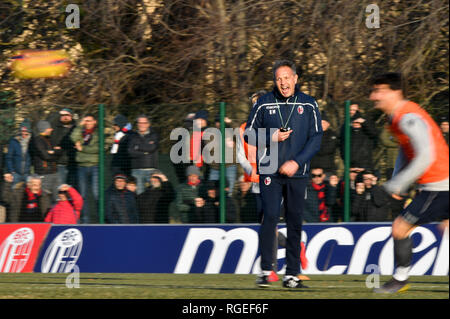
114	166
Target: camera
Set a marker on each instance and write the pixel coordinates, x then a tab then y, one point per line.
285	129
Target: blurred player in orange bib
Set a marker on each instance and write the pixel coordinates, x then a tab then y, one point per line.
423	159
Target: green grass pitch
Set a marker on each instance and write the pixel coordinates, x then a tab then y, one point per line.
204	286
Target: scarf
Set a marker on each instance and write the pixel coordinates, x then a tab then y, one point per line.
24	144
117	137
87	136
194	184
32	200
323	210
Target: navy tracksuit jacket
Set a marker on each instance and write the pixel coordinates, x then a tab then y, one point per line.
305	121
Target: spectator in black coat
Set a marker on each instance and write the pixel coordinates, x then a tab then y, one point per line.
363	139
320	198
370	203
207	207
44	156
143	151
324	158
153	203
62	128
120	203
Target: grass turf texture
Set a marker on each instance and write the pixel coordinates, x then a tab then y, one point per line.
201	286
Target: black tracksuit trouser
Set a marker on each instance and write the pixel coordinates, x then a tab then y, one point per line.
273	189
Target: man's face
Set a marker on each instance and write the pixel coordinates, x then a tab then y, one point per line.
24	133
444	127
212	193
34	185
131	187
62	196
89	122
285	80
155	182
383	96
200	123
317	176
65	118
325	125
368	180
353	109
143	124
120	183
193	178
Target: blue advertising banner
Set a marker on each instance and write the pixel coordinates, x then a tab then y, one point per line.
345	248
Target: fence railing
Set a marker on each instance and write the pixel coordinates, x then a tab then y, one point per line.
122	169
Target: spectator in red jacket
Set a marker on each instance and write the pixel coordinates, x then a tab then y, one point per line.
67	209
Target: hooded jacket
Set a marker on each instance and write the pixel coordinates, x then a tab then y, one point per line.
362	142
153	203
300	113
15	160
120	206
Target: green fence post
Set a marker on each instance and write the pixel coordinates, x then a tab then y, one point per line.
101	162
222	164
347	163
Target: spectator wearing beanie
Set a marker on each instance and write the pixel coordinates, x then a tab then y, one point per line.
45	156
18	159
120	203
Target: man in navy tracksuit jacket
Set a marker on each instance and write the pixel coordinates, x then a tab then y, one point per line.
285	125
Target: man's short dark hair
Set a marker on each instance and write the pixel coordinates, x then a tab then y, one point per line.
280	63
393	79
90	115
143	116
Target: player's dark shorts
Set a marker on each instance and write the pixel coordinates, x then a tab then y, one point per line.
427	207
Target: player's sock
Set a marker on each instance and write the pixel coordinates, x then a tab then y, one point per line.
401	273
403	258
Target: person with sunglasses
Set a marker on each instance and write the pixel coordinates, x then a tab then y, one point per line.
320	197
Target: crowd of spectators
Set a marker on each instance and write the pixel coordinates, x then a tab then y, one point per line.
51	174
